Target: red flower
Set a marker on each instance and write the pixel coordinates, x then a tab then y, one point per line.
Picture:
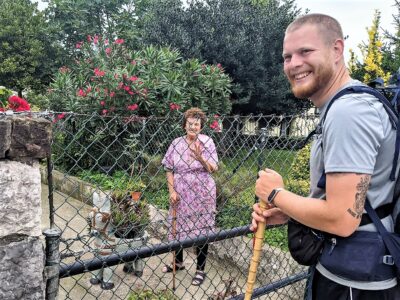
215	126
18	104
219	66
127	88
119	41
102	103
174	106
112	94
98	72
95	39
106	42
89	38
133	107
79	45
59	117
133	78
104	112
108	51
81	93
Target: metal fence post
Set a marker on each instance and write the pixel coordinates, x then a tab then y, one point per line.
52	262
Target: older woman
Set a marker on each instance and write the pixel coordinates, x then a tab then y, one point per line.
189	162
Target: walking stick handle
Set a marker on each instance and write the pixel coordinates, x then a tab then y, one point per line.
255	260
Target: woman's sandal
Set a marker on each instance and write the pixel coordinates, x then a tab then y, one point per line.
198	279
170	268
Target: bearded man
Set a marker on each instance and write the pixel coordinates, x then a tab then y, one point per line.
352	152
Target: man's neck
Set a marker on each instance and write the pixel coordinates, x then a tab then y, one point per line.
341	78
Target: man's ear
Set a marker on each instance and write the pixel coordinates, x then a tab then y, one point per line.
338	47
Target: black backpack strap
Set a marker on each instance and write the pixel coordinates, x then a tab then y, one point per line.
391	111
360	89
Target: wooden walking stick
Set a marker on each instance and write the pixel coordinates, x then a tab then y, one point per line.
255	260
173	253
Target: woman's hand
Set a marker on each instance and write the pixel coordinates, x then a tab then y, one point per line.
174	198
196	151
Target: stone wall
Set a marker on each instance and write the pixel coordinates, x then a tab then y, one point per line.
23	141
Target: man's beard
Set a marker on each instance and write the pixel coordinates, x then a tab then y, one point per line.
322	76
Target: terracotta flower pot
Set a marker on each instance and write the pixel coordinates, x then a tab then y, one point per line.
136	196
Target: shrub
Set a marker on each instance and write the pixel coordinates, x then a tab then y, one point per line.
110	79
299	178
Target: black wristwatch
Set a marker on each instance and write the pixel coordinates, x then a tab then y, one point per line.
273	194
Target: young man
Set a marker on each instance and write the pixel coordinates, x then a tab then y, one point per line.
357	153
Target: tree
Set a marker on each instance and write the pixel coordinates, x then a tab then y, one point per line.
372	66
391	51
25	46
244	36
78	21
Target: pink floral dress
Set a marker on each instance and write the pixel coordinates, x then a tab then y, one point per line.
195	187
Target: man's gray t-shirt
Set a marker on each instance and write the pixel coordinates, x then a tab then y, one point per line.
357	137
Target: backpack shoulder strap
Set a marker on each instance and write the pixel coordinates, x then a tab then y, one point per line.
360	89
390	110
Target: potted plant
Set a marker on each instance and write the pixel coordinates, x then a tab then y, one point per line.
129	216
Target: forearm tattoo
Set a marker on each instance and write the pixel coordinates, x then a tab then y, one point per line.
361	194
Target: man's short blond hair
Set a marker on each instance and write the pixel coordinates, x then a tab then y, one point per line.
329	27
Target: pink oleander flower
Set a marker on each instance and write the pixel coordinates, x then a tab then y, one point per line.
112	94
81	93
108	51
89	38
215	126
174	106
104	112
95	39
106	42
79	45
133	78
102	103
98	72
119	41
132	107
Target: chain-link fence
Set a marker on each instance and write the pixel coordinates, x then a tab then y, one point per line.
110	199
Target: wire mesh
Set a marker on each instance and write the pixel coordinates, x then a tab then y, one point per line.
101	162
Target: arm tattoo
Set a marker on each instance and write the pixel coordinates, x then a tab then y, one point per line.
361	194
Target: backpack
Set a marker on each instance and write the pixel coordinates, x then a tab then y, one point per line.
306	244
